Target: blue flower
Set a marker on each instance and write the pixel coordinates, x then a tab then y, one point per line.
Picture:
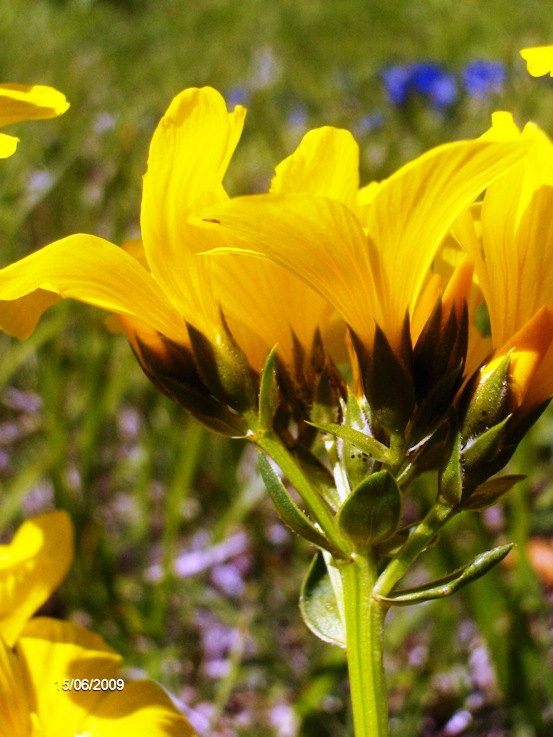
427	79
482	78
437	84
397	82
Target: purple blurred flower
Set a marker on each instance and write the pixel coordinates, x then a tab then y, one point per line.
482	78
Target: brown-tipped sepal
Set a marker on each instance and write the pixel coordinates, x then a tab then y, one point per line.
172	369
224	368
387	379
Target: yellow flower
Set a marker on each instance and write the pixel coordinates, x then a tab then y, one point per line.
63	680
539	60
512	246
31	568
165	295
26	102
368	253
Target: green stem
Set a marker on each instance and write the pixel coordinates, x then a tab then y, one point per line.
418	541
364	619
317	506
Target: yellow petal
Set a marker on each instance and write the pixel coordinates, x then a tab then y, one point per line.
325	163
141	709
529	349
380	277
262	298
414	209
189	153
90	270
15	718
53	652
514	260
31	568
8	145
318	238
25	102
539	60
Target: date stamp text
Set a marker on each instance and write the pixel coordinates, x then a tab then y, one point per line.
90	684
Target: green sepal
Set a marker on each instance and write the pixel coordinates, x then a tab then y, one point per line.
289	512
482	450
358	439
450	481
268	393
372	512
448	585
489	401
491	491
318	604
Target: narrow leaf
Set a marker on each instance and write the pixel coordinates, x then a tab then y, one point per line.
359	439
290	513
319	606
453	582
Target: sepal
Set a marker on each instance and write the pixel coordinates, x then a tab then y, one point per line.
450	478
268	393
387	378
171	368
491	491
224	368
488	400
449	584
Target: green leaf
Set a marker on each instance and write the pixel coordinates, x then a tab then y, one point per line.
268	393
290	513
453	582
372	512
358	439
319	606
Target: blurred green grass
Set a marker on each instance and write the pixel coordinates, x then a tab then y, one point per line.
81	428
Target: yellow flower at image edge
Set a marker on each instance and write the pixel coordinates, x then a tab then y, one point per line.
31	568
63	681
539	60
26	102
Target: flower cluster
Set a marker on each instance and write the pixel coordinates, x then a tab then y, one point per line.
388	282
358	335
405	328
57	677
439	86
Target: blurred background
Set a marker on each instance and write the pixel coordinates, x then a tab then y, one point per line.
182	565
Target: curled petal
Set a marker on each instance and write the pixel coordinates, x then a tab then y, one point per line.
29	102
31	568
539	60
87	269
